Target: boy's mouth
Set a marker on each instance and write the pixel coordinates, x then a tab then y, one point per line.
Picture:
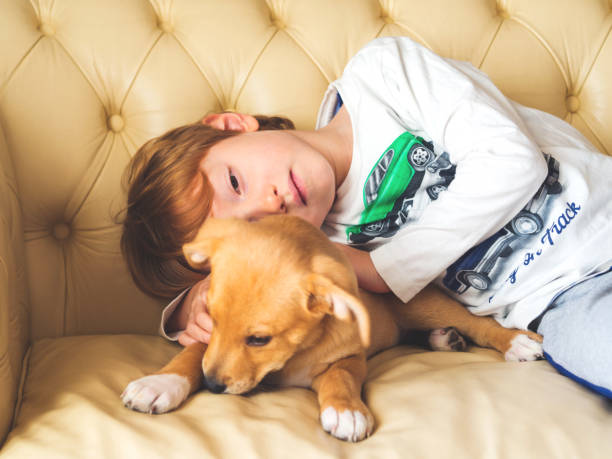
297	188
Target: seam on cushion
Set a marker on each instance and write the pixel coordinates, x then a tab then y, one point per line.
595	58
81	71
3	263
601	144
125	139
486	53
24	374
11	187
99	228
35	235
65	318
23	58
200	69
100	171
309	55
253	65
377	34
419	38
546	46
138	70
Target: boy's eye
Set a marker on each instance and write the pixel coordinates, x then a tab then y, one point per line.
234	182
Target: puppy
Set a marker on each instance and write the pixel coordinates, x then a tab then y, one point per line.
286	308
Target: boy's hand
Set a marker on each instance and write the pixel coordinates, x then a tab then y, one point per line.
192	316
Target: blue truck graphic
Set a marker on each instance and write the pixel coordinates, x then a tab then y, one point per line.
473	268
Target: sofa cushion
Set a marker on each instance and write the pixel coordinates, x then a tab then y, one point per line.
425	403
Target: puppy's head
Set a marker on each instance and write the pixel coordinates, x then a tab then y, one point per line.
272	284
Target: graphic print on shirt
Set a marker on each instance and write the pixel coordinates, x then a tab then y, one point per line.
404	180
473	269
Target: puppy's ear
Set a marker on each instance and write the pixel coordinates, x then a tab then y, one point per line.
198	252
211	233
328	298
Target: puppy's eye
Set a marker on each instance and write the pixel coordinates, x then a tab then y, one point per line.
257	341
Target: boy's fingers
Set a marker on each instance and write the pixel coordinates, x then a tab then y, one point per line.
204	321
197	334
185	340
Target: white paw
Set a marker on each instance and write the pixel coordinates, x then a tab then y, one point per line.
523	349
349	425
156	393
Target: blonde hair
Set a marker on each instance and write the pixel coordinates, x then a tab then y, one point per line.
162	210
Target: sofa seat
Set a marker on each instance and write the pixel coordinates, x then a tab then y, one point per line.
425	405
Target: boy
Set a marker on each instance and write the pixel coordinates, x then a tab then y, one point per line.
424	172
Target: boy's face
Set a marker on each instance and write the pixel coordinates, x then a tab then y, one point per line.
269	172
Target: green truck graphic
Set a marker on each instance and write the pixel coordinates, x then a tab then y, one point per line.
390	188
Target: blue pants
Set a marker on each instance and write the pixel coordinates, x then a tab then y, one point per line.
577	331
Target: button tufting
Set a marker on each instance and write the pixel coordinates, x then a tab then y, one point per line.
502	12
572	103
165	26
279	23
46	29
387	19
116	123
61	231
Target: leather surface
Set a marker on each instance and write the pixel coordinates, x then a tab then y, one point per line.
14	317
426	404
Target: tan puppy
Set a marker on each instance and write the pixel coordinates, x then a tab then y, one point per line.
286	307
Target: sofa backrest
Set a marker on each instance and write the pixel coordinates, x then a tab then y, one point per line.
84	83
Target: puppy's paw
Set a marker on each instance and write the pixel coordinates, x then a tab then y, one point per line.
524	348
156	394
446	339
348	424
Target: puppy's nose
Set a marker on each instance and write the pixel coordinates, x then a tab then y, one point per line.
215	386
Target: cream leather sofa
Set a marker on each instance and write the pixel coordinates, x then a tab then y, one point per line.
83	83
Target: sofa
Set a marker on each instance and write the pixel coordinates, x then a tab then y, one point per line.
84	83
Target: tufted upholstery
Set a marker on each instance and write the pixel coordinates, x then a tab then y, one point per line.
84	83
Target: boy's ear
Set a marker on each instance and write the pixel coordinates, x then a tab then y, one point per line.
328	298
231	121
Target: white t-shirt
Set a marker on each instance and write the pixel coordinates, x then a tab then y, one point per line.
502	205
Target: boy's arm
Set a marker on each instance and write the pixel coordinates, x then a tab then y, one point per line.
367	276
186	318
174	318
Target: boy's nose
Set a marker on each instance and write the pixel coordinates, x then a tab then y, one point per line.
270	203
